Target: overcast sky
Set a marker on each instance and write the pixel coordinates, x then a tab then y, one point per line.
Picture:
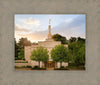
35	27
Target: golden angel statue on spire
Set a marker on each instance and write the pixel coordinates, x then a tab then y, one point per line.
49	21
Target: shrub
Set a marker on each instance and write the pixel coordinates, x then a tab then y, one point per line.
28	66
62	67
20	67
42	68
16	58
72	64
76	67
21	61
36	67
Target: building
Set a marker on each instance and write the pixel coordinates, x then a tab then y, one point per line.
49	43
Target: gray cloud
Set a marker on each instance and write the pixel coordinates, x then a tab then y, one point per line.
75	28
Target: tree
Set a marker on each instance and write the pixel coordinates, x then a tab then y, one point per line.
17	50
81	39
58	37
77	52
40	54
70	57
72	39
21	54
19	47
59	54
24	42
73	48
80	56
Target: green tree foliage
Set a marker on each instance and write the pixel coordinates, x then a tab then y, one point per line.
80	57
17	50
21	54
40	54
70	57
81	39
72	39
77	51
19	46
58	37
59	54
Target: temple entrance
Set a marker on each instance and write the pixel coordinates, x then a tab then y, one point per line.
50	64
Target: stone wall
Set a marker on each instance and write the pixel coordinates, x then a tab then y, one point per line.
21	64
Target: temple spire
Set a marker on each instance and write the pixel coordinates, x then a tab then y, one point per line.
49	30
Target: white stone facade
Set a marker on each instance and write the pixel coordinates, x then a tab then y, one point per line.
49	43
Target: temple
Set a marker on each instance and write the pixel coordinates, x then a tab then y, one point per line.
49	43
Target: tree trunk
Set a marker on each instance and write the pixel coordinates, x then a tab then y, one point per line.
54	65
68	59
39	64
60	64
44	64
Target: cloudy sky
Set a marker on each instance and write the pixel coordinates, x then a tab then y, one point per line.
35	27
